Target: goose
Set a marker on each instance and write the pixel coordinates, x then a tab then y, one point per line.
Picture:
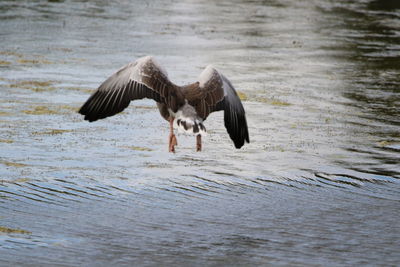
184	107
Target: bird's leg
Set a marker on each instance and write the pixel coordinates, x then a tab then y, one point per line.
198	141
172	137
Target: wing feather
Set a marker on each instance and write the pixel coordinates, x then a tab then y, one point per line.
236	123
214	92
143	78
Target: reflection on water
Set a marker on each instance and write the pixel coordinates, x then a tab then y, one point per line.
318	185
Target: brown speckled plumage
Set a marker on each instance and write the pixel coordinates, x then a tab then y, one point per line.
144	78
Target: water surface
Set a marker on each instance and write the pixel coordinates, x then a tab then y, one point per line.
318	184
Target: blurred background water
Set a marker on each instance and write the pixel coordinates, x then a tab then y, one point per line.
318	184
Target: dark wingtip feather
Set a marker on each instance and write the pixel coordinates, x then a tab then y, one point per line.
237	127
102	104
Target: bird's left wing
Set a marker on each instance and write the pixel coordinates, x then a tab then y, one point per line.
143	78
214	92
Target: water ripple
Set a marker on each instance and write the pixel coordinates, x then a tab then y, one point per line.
318	184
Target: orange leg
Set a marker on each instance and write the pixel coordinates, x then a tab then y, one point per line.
198	141
172	138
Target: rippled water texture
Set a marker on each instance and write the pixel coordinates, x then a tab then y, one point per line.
317	185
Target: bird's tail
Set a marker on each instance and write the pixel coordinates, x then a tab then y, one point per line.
190	126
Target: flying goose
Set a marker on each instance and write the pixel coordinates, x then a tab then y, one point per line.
185	107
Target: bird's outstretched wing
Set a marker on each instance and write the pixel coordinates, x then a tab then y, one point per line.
214	92
143	78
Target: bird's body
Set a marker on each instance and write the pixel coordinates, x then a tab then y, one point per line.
185	107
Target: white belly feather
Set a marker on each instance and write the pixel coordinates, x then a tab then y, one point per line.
187	121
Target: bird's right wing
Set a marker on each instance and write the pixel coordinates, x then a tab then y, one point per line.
143	78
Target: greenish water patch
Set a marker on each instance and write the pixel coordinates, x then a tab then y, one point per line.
37	86
78	59
68	107
26	61
385	143
155	165
8	230
11	53
242	96
16	181
79	89
277	148
55	109
389	144
40	110
138	148
4	62
52	132
45	110
7	141
21	59
13	164
272	101
145	107
63	49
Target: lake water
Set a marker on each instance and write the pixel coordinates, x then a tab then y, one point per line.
318	185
